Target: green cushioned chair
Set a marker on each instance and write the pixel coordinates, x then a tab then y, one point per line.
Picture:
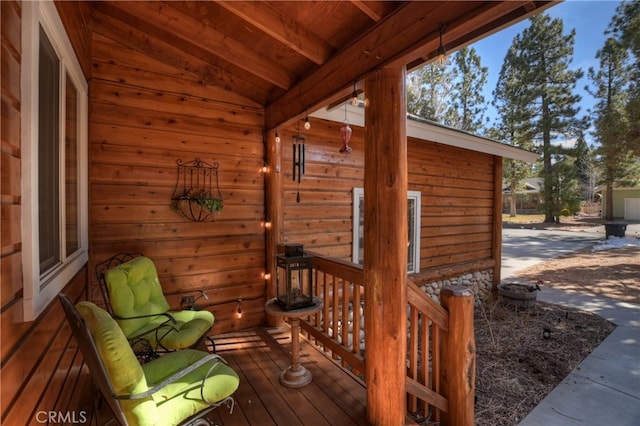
135	298
176	388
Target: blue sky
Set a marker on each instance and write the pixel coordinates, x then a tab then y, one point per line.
588	18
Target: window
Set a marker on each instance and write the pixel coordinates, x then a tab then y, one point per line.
54	140
413	213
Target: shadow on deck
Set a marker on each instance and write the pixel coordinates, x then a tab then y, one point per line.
258	355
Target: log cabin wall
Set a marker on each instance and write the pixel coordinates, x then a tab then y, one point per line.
40	363
457	203
457	198
144	116
321	221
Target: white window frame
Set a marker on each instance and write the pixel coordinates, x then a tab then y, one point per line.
358	194
39	291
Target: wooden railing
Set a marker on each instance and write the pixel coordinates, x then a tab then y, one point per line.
338	329
427	321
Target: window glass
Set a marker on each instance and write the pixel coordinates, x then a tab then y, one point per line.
413	238
71	168
411	245
48	154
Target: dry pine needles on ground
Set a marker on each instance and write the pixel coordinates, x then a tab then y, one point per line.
523	355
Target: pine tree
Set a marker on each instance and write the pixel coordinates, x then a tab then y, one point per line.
541	57
625	28
612	122
565	188
468	104
587	169
428	92
512	125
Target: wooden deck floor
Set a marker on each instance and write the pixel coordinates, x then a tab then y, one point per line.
258	355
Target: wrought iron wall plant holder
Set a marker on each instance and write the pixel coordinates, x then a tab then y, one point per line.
196	195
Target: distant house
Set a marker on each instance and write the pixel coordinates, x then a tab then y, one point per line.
527	200
626	203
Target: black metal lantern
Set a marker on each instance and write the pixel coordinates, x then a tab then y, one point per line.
294	280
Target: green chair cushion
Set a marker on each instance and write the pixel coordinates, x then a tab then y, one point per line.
182	399
134	290
121	365
191	325
171	404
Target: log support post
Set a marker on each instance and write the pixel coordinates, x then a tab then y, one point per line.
385	245
272	216
459	356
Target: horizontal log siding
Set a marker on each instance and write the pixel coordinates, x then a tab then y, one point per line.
456	186
76	18
40	363
322	219
145	115
457	198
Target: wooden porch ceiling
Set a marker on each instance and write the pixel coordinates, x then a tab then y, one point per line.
290	56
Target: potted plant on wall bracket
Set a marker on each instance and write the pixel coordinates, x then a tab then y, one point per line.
196	195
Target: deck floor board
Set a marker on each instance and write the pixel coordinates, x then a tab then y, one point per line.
259	355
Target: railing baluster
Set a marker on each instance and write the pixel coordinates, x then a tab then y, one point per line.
337	328
344	315
356	319
435	362
325	308
412	352
425	350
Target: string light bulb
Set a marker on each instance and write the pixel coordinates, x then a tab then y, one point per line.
354	96
307	123
239	309
277	136
441	56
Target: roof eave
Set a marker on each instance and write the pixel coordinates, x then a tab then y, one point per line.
422	129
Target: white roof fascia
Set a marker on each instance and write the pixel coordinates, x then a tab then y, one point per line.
435	133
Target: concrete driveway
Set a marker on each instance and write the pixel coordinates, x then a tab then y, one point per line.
522	248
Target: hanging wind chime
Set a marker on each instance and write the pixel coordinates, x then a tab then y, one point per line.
298	156
345	133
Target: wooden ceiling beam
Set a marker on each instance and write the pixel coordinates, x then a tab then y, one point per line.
455	28
186	31
363	6
368	52
527	10
408	34
200	32
281	28
132	36
471	27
